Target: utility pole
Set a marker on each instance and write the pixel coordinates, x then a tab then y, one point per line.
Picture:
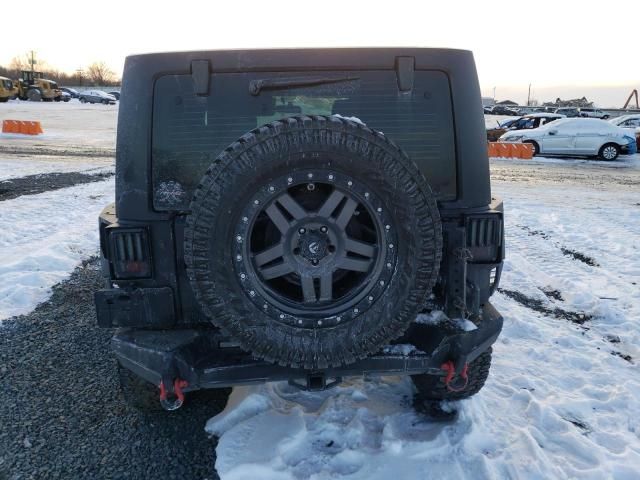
79	72
494	94
32	61
529	97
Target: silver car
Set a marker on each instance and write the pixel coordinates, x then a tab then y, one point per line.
576	137
97	96
593	113
627	121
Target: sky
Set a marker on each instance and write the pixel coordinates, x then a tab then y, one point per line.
565	48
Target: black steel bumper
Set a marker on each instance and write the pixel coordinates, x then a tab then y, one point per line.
205	359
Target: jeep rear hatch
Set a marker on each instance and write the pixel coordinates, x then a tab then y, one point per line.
190	130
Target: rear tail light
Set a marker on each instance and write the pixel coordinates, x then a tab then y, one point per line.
484	237
130	253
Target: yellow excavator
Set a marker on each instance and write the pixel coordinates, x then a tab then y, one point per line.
32	86
7	89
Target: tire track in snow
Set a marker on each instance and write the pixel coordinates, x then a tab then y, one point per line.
35	184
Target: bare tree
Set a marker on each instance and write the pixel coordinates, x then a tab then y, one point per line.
18	64
100	74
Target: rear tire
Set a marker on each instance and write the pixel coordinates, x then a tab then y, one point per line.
83	100
34	95
432	387
609	152
536	147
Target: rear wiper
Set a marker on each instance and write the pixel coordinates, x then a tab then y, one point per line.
256	86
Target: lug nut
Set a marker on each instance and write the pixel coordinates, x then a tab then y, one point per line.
338	319
391	246
239	238
281	316
379	209
265	306
388	227
256	202
245	219
271	189
289	180
356	311
314	261
370	298
252	293
302	231
382	283
330	176
389	265
299	322
311	187
243	276
310	175
319	322
238	257
323	229
366	194
349	183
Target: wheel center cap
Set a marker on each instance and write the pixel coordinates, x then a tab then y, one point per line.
313	245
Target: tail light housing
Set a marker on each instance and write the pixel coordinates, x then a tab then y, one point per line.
129	253
484	238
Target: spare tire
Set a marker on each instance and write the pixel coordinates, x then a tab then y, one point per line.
313	241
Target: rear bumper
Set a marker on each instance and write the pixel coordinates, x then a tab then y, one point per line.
205	359
630	148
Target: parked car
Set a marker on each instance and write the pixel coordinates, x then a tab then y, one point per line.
576	136
502	110
526	110
526	122
97	96
593	113
115	94
488	109
63	97
71	91
569	112
627	121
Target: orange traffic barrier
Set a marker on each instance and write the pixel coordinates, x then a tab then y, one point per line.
21	126
510	150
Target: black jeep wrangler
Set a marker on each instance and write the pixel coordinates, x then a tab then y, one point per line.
301	215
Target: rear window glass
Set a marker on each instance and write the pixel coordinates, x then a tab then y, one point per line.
190	131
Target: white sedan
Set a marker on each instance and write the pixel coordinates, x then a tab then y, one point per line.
627	121
577	136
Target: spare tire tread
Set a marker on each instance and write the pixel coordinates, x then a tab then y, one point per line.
357	338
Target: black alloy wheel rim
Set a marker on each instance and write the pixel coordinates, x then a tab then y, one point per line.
314	248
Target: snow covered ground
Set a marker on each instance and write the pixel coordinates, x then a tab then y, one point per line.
69	126
563	397
43	238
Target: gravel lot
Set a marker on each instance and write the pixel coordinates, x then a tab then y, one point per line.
62	415
34	184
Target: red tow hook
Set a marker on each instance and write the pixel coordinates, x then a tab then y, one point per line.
450	368
177	393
